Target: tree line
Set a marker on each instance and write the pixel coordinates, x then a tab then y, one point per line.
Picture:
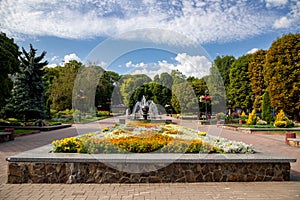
30	89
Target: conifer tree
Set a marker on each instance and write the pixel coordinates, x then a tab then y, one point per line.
266	108
27	101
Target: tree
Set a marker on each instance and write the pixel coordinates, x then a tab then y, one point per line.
256	76
282	72
61	89
105	89
223	64
266	108
9	64
27	101
50	75
129	83
199	86
240	92
177	77
184	99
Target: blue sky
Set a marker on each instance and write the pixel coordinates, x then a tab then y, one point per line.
73	29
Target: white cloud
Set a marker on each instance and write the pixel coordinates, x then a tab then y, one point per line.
276	3
69	57
283	22
207	21
54	58
252	51
51	65
197	66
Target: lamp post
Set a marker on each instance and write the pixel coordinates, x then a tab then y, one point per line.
206	104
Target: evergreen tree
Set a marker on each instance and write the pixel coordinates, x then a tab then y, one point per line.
27	101
266	108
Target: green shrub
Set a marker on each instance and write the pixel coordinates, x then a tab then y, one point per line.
101	113
266	108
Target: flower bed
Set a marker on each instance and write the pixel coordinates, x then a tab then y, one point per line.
146	137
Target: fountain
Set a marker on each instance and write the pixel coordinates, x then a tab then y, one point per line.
144	110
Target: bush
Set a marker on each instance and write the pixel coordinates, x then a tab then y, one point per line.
220	115
243	116
101	113
282	121
266	108
252	118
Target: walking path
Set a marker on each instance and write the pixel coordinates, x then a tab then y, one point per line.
241	190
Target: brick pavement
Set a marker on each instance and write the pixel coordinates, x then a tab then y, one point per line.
241	190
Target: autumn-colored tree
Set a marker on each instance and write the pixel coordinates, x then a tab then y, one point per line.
256	76
282	72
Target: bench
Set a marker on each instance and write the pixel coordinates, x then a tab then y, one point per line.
7	135
295	142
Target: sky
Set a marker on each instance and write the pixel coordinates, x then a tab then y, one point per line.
147	36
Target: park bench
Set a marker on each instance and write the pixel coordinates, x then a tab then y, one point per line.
295	142
7	135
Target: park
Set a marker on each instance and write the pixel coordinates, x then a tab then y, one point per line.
88	125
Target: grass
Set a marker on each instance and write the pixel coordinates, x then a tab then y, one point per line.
20	131
277	132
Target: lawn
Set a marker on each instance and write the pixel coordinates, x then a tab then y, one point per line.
20	131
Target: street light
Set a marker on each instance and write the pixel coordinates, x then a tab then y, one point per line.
206	91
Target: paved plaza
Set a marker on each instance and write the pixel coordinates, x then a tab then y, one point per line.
227	190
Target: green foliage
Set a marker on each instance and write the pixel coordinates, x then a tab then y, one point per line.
282	121
199	86
223	65
240	92
266	108
177	77
107	90
128	85
103	113
282	71
61	85
184	99
252	119
9	64
27	101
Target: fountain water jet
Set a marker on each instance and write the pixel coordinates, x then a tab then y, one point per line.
144	110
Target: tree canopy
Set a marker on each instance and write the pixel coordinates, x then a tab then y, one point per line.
9	64
240	92
282	72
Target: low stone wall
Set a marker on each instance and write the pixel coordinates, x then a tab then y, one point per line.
172	173
40	166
